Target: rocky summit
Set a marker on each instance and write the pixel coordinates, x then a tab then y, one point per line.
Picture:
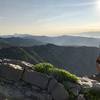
19	81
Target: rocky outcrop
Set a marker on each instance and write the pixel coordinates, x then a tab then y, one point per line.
88	83
19	81
35	78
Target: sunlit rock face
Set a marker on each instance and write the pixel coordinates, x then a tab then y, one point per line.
18	81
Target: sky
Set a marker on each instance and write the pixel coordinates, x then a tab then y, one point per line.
49	17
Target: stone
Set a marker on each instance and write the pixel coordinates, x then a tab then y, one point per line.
26	64
75	91
28	93
11	72
40	96
47	97
28	99
11	92
96	77
23	64
73	87
35	88
96	87
59	92
86	82
51	85
81	97
36	78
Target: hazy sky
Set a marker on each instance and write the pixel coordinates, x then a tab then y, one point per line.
49	17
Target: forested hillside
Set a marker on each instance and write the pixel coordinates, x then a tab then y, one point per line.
78	60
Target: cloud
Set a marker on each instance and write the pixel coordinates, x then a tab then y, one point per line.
59	17
78	4
71	4
2	18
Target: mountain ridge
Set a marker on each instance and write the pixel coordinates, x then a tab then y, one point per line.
61	56
64	40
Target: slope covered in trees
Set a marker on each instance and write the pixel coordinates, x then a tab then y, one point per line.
78	60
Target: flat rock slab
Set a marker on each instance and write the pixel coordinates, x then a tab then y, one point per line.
36	78
17	62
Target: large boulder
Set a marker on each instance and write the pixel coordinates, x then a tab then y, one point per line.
85	82
39	96
57	90
23	64
51	85
11	72
10	92
74	88
36	78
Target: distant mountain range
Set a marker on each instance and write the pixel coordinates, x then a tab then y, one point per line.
74	53
91	34
70	40
29	40
78	60
19	42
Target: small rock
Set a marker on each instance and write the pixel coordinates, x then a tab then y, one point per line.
35	88
28	93
81	97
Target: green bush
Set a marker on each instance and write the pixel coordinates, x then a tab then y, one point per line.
63	75
43	67
59	74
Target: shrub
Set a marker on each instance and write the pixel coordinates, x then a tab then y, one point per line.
43	67
63	75
59	74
